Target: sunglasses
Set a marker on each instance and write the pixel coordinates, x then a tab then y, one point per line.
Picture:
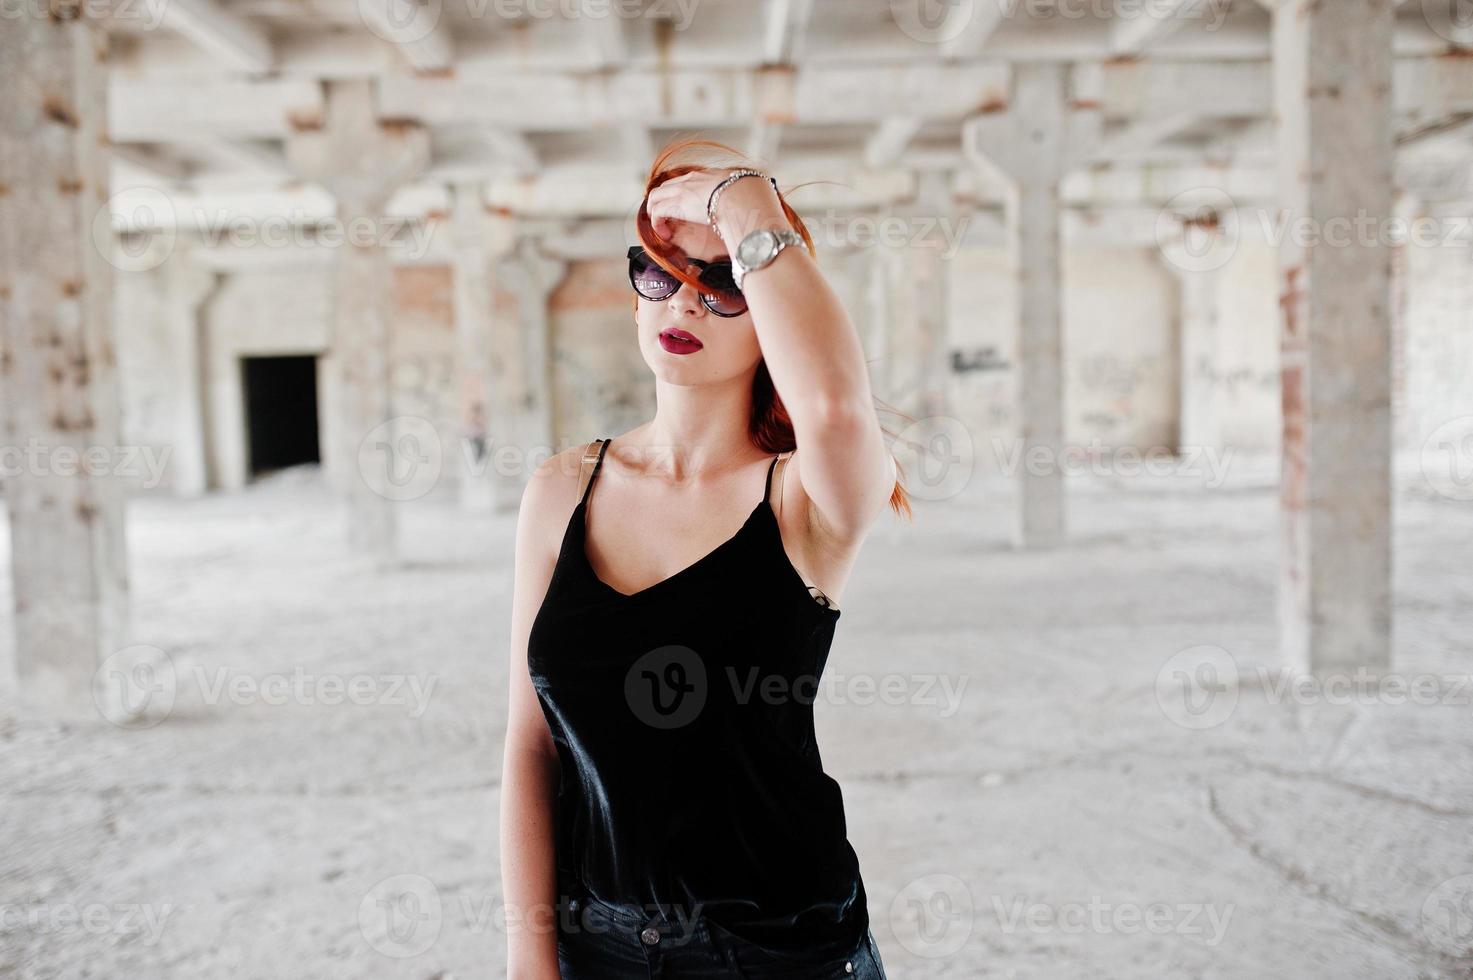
653	282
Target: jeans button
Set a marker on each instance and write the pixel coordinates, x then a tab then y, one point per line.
650	935
849	966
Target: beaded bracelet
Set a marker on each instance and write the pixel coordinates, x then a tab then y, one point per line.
716	192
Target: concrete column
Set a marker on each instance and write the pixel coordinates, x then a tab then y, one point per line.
361	162
187	288
58	364
530	276
1199	361
1032	144
883	273
481	240
916	292
1332	67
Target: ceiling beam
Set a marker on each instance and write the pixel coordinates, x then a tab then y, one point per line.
161	110
968	27
785	26
637	147
606	38
237	43
417	30
889	140
245	156
763	140
548	101
512	150
146	162
1136	26
1142	134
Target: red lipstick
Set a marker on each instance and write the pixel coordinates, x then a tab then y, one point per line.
678	341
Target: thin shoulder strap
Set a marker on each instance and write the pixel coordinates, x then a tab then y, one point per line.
779	458
585	473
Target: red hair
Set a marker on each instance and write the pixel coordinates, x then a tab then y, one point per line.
769	426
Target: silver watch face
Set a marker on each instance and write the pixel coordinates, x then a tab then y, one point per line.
757	248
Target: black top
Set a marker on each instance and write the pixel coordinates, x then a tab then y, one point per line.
683	718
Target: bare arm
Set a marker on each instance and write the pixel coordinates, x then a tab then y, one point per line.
817	365
530	769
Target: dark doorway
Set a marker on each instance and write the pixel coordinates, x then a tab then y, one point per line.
281	411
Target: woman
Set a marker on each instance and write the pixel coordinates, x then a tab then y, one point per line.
664	809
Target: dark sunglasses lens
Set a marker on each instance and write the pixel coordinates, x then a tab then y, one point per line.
724	299
651	281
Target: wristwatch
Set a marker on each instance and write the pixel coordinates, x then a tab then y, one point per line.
758	249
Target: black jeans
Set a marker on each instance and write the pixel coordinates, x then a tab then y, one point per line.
598	940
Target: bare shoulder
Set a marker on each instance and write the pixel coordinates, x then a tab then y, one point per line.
548	501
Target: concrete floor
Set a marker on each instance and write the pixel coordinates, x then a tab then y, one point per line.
1039	801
